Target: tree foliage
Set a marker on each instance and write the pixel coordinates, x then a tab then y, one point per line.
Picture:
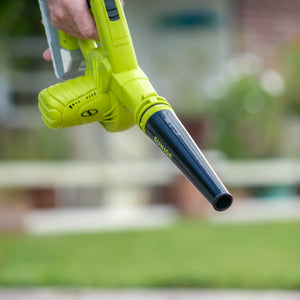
19	17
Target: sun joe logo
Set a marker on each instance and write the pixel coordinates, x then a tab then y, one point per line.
162	147
89	113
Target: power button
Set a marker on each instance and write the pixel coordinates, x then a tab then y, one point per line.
112	10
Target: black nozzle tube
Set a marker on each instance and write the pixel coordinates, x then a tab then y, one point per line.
165	129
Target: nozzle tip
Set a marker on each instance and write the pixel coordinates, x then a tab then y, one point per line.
222	202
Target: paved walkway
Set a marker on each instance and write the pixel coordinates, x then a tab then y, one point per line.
69	294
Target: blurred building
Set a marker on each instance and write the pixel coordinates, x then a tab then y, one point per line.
267	27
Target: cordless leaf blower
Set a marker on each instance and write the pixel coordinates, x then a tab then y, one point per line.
102	82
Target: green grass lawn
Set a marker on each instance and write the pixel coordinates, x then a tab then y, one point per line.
190	254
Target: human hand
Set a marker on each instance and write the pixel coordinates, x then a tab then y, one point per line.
74	18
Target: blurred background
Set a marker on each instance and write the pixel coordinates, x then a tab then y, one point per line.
231	71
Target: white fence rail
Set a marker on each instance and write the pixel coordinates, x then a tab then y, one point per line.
85	174
142	173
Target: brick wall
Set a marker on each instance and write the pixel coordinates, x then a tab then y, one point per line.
267	26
